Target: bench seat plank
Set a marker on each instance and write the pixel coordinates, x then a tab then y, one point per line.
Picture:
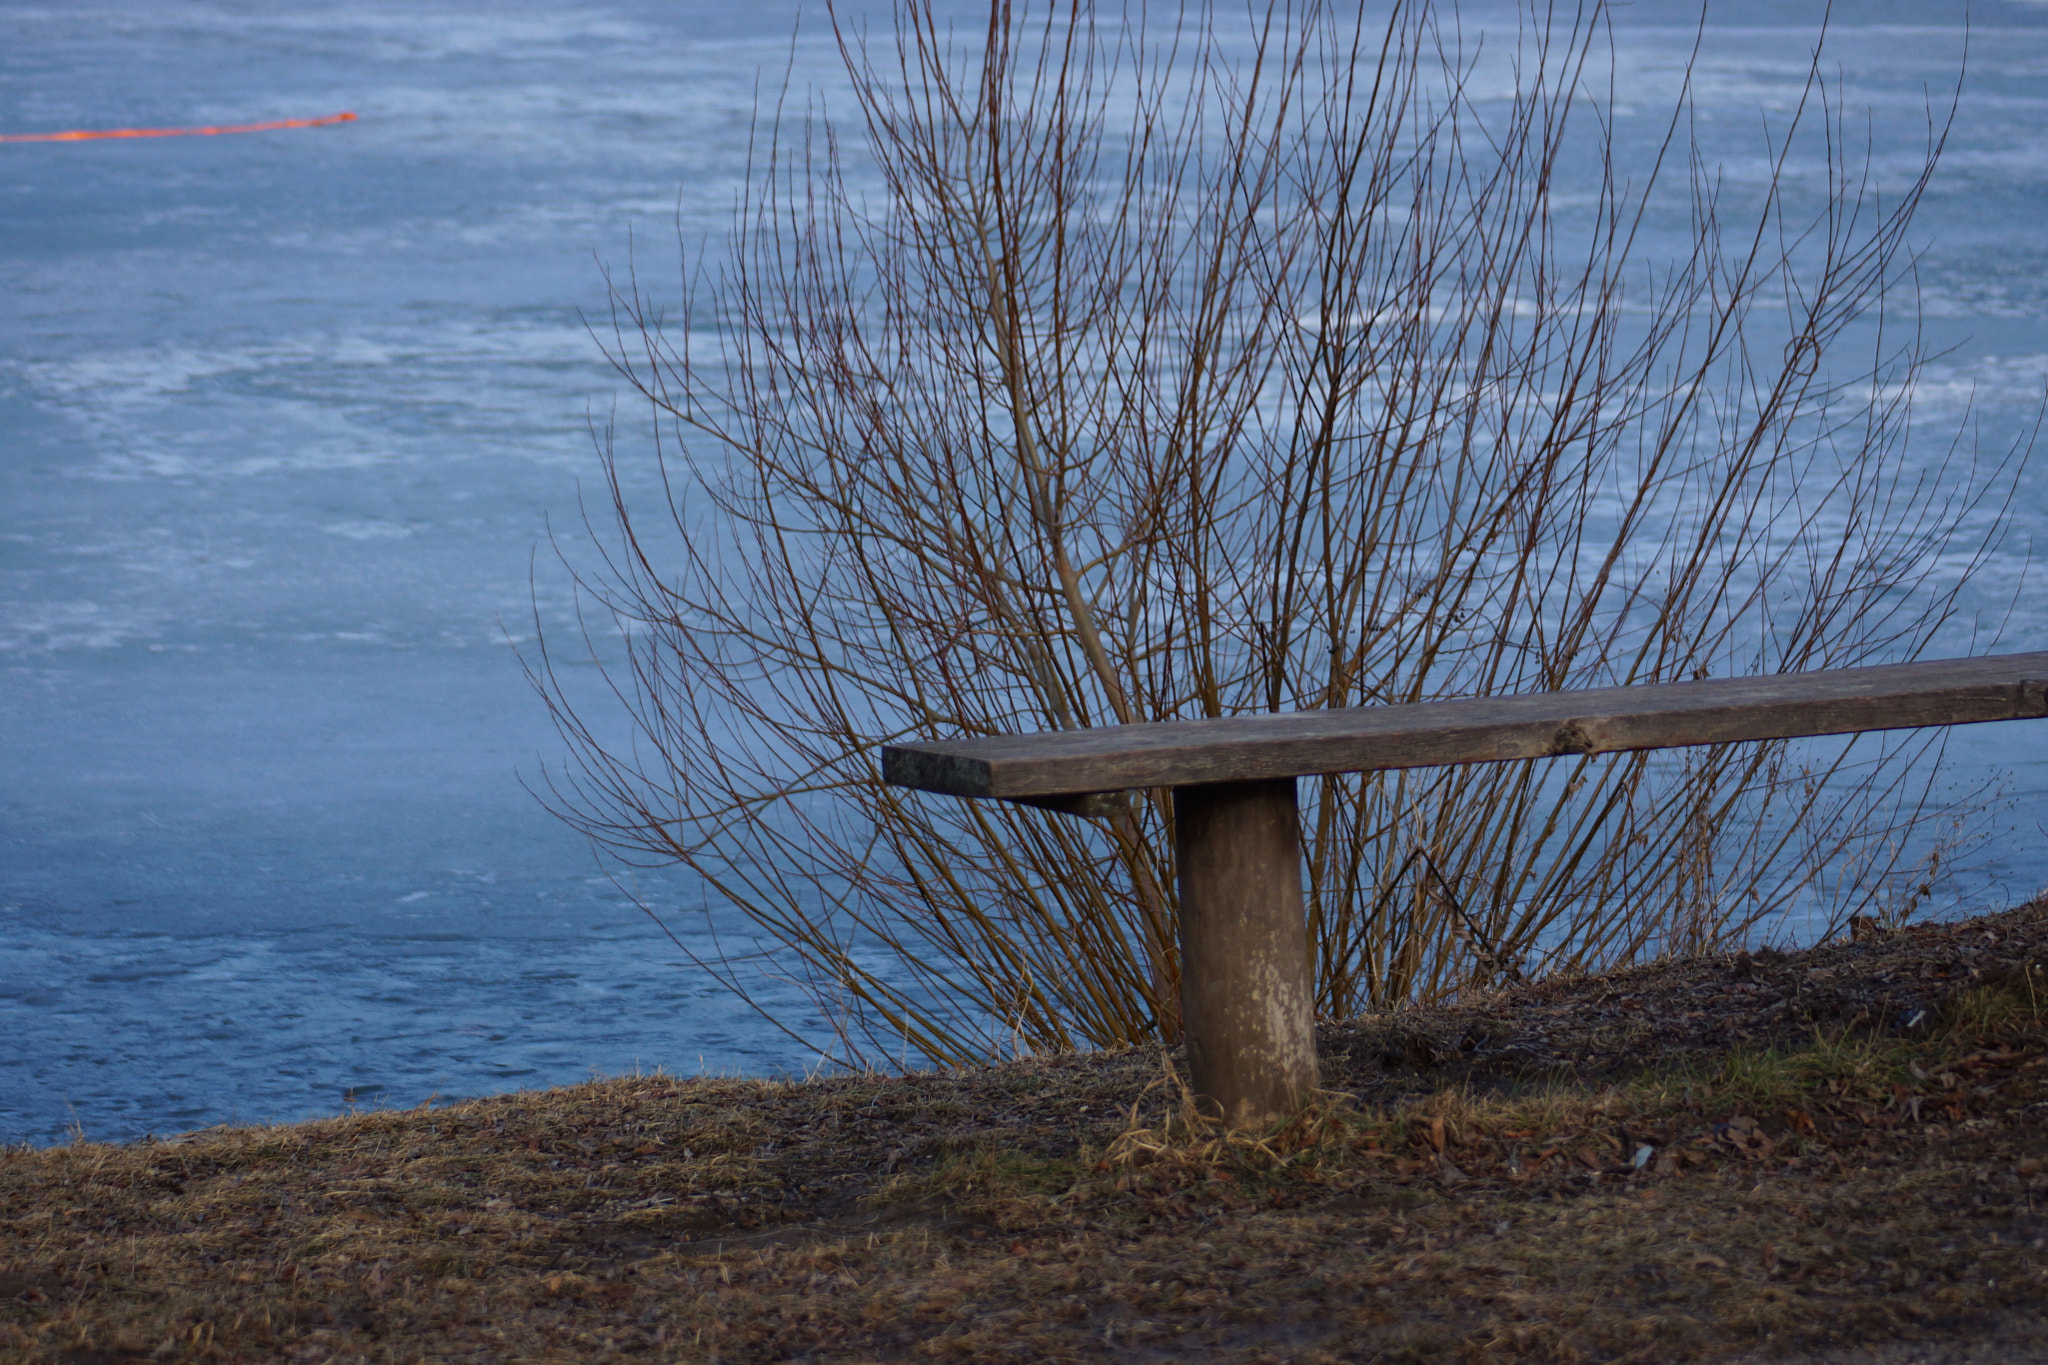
1478	729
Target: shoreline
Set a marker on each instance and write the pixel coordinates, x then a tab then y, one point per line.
1800	1154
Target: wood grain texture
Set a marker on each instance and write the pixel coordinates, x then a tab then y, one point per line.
1248	990
1479	729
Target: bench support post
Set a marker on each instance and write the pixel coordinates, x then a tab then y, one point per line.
1247	984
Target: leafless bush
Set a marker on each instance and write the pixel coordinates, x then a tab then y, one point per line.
1138	367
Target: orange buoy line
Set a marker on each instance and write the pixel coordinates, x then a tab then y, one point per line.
88	134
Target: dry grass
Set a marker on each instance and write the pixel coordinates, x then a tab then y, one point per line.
1533	1176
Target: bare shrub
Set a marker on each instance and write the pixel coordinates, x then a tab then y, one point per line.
1138	367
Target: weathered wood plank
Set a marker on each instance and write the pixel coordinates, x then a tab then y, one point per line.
1480	729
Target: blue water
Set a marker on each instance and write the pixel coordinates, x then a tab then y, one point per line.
284	418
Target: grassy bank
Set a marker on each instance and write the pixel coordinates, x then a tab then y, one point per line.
1785	1155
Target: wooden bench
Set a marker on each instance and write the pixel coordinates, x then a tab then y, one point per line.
1247	993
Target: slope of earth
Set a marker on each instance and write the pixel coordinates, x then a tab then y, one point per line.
1836	1154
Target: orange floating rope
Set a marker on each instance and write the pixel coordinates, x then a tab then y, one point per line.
87	135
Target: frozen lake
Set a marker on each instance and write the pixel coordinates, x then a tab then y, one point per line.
284	417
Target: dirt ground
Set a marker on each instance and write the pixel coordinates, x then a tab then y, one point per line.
1839	1154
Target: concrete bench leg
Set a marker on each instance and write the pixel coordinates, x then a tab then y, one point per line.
1247	990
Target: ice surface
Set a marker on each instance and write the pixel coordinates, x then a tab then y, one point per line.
283	418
